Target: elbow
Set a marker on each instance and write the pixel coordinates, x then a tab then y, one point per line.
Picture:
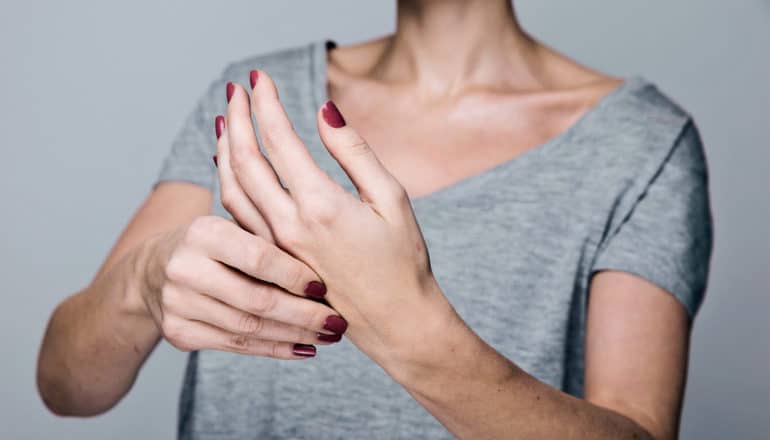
61	392
54	403
49	377
53	393
61	399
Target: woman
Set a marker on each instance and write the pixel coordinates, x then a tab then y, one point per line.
566	213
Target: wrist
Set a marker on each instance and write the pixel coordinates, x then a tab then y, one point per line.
425	345
443	352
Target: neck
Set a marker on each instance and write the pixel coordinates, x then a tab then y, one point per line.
446	46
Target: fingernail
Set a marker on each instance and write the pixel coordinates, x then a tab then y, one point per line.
219	126
230	91
336	324
329	338
214	158
253	76
332	116
315	289
304	350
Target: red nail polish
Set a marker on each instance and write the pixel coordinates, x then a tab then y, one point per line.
332	115
230	91
214	158
329	338
304	350
253	77
315	289
336	324
219	126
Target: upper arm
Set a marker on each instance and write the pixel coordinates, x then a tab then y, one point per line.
649	280
637	338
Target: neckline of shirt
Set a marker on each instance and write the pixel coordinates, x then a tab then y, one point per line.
319	53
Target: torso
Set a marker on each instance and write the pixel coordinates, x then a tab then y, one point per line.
512	247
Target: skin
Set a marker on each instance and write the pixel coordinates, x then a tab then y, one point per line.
484	93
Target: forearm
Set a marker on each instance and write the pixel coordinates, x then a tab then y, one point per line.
97	340
477	393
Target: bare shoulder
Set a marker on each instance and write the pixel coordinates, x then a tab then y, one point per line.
569	85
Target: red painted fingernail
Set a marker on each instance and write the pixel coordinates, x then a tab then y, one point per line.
214	158
332	115
329	338
304	350
336	324
315	289
230	91
253	77
219	126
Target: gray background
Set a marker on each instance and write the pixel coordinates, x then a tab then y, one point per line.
92	93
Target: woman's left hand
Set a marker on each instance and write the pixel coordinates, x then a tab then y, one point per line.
369	252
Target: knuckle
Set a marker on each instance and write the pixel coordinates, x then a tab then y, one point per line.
238	342
288	236
295	274
227	198
359	146
262	301
274	350
319	210
397	193
304	336
236	160
239	158
250	324
169	298
176	269
184	347
217	226
198	226
174	332
271	135
258	254
199	229
313	319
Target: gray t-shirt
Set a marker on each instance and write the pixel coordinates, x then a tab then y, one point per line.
513	248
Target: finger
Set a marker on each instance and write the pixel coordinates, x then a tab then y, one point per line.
288	154
195	335
255	256
375	184
257	298
250	168
234	200
211	311
267	301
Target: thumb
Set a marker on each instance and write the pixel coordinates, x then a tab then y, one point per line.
375	184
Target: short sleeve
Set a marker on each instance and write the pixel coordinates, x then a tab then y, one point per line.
666	237
190	156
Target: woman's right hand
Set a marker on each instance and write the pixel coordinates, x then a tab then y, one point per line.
213	285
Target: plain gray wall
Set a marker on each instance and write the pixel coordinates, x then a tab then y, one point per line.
92	92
